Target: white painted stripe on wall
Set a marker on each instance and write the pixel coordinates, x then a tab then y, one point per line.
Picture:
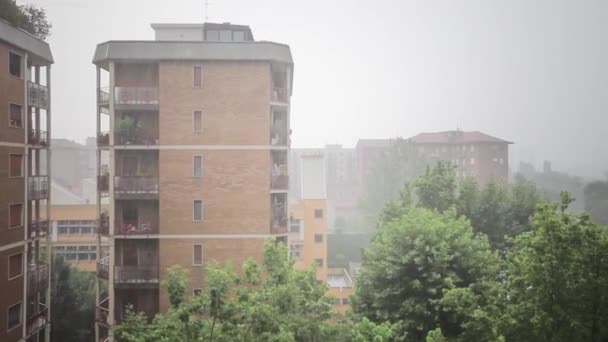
199	236
201	147
9	144
11	246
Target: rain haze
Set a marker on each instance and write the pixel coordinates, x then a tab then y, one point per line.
530	72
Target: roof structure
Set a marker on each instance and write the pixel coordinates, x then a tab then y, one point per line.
373	143
338	277
39	50
456	137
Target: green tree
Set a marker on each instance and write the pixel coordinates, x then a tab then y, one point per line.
596	201
493	217
73	292
557	282
467	203
268	302
436	189
28	17
409	265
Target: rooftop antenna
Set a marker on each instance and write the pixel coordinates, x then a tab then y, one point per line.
206	10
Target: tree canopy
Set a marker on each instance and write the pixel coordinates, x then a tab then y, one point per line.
27	17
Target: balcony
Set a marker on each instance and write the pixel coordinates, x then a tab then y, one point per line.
38	229
103	268
37	137
136	275
103	139
135	228
37	278
103	182
37	321
279	129
135	187
280	95
102	312
279	219
135	136
103	96
37	95
135	98
38	187
103	225
279	181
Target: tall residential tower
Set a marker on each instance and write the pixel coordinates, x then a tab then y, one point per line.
25	125
195	125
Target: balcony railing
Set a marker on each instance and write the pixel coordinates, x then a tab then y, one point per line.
37	320
103	268
135	136
37	278
279	225
135	97
135	228
103	139
135	186
103	182
103	312
103	225
38	229
133	275
103	96
280	94
38	187
37	137
279	179
37	95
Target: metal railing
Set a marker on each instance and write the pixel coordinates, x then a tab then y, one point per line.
37	95
103	182
38	229
135	136
37	320
37	278
103	312
280	94
135	96
103	267
136	228
38	187
37	137
103	139
103	95
139	274
103	225
135	185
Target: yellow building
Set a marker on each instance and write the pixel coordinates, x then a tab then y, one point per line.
308	235
308	231
74	234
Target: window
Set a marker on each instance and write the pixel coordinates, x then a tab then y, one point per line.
197	292
318	213
318	238
197	77
213	35
225	35
14	65
319	262
16	165
197	121
238	36
15	265
15	116
337	301
62	230
345	301
294	225
197	255
197	166
14	316
197	210
15	215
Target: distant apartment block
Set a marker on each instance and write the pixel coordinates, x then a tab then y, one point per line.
195	128
474	154
72	163
25	87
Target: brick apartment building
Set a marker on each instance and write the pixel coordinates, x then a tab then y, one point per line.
474	154
25	76
196	129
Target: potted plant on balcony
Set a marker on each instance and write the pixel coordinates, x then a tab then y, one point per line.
128	127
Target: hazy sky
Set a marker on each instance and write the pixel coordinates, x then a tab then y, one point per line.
533	72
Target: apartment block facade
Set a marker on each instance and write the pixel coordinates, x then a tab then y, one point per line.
195	126
474	154
25	78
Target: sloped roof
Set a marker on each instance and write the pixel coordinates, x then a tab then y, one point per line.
39	50
456	137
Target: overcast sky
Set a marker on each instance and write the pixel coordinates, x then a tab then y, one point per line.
532	72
